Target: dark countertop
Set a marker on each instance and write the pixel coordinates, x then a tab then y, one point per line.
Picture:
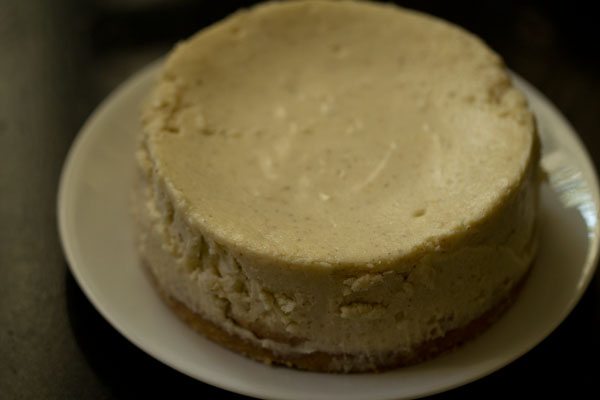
59	59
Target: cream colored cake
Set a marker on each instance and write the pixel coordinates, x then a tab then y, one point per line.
337	186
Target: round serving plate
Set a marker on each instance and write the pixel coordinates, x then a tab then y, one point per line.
97	235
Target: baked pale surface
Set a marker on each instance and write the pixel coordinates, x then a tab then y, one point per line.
337	178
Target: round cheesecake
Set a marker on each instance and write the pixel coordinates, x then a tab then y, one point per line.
337	186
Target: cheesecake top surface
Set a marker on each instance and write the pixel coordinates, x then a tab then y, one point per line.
336	132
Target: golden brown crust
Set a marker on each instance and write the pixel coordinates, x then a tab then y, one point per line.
338	363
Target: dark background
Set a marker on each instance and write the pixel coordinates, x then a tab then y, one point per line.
59	59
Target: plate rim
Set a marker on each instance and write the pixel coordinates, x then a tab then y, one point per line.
84	135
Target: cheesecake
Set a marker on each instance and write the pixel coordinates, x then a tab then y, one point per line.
338	186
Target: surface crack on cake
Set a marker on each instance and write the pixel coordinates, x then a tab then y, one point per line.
350	192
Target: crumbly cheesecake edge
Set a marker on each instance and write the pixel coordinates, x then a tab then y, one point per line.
319	361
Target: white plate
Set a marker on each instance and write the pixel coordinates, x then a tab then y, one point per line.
96	232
